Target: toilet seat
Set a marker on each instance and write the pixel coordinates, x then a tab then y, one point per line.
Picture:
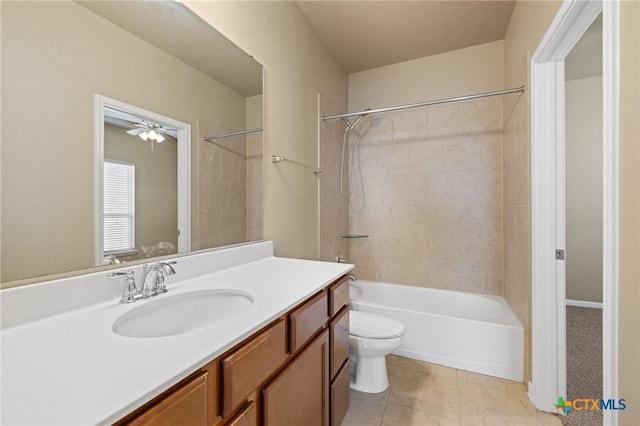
372	326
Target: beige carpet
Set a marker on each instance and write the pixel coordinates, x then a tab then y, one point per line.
584	363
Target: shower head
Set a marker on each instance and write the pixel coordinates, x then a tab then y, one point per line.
350	125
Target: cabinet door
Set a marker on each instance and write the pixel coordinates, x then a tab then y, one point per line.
339	335
185	406
299	394
340	395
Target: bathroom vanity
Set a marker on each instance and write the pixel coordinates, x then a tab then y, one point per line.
283	361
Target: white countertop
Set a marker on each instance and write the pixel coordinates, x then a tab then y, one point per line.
72	369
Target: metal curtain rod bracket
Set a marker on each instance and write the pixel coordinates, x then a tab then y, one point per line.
227	135
421	104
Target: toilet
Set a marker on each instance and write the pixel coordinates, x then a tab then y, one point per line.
371	338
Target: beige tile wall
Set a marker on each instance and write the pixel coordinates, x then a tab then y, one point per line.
517	216
254	225
255	157
334	207
529	21
222	183
432	190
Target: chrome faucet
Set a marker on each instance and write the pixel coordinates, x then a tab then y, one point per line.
153	278
152	281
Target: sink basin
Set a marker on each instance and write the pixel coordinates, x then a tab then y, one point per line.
170	315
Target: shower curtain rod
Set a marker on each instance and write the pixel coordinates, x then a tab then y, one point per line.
227	135
421	104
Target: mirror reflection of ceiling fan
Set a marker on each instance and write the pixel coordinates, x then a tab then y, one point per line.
150	131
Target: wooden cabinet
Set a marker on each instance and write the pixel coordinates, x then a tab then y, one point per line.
246	368
339	341
339	347
293	372
248	416
185	404
299	394
340	393
338	295
306	320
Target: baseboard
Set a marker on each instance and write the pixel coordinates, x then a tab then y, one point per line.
583	304
530	392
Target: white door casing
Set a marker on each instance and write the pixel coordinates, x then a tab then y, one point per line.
548	227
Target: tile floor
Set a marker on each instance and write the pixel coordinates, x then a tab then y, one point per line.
424	394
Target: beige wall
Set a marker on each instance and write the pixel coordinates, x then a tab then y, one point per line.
156	185
529	22
629	287
460	72
297	67
51	51
431	196
583	174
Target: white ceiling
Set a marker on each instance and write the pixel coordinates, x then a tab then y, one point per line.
369	34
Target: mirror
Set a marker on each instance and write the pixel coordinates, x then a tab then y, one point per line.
157	57
142	168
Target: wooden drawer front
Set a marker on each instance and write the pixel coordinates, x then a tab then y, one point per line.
340	395
187	406
251	365
339	338
306	320
248	416
338	295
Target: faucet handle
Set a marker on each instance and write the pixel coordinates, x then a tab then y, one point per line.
129	290
166	269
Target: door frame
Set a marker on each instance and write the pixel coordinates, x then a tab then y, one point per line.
548	380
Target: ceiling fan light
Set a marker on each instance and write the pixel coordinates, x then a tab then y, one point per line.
144	135
160	138
153	135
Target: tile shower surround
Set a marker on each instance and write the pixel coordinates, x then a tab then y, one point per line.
229	187
334	207
431	197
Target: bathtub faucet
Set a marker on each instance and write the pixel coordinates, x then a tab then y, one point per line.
352	278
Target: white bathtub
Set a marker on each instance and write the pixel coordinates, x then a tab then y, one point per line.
468	331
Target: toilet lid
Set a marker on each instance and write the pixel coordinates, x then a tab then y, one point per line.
371	326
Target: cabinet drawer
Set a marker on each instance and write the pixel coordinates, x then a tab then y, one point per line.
187	405
340	395
248	416
306	320
339	340
248	367
338	295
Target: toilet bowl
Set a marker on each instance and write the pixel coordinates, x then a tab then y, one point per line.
371	338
